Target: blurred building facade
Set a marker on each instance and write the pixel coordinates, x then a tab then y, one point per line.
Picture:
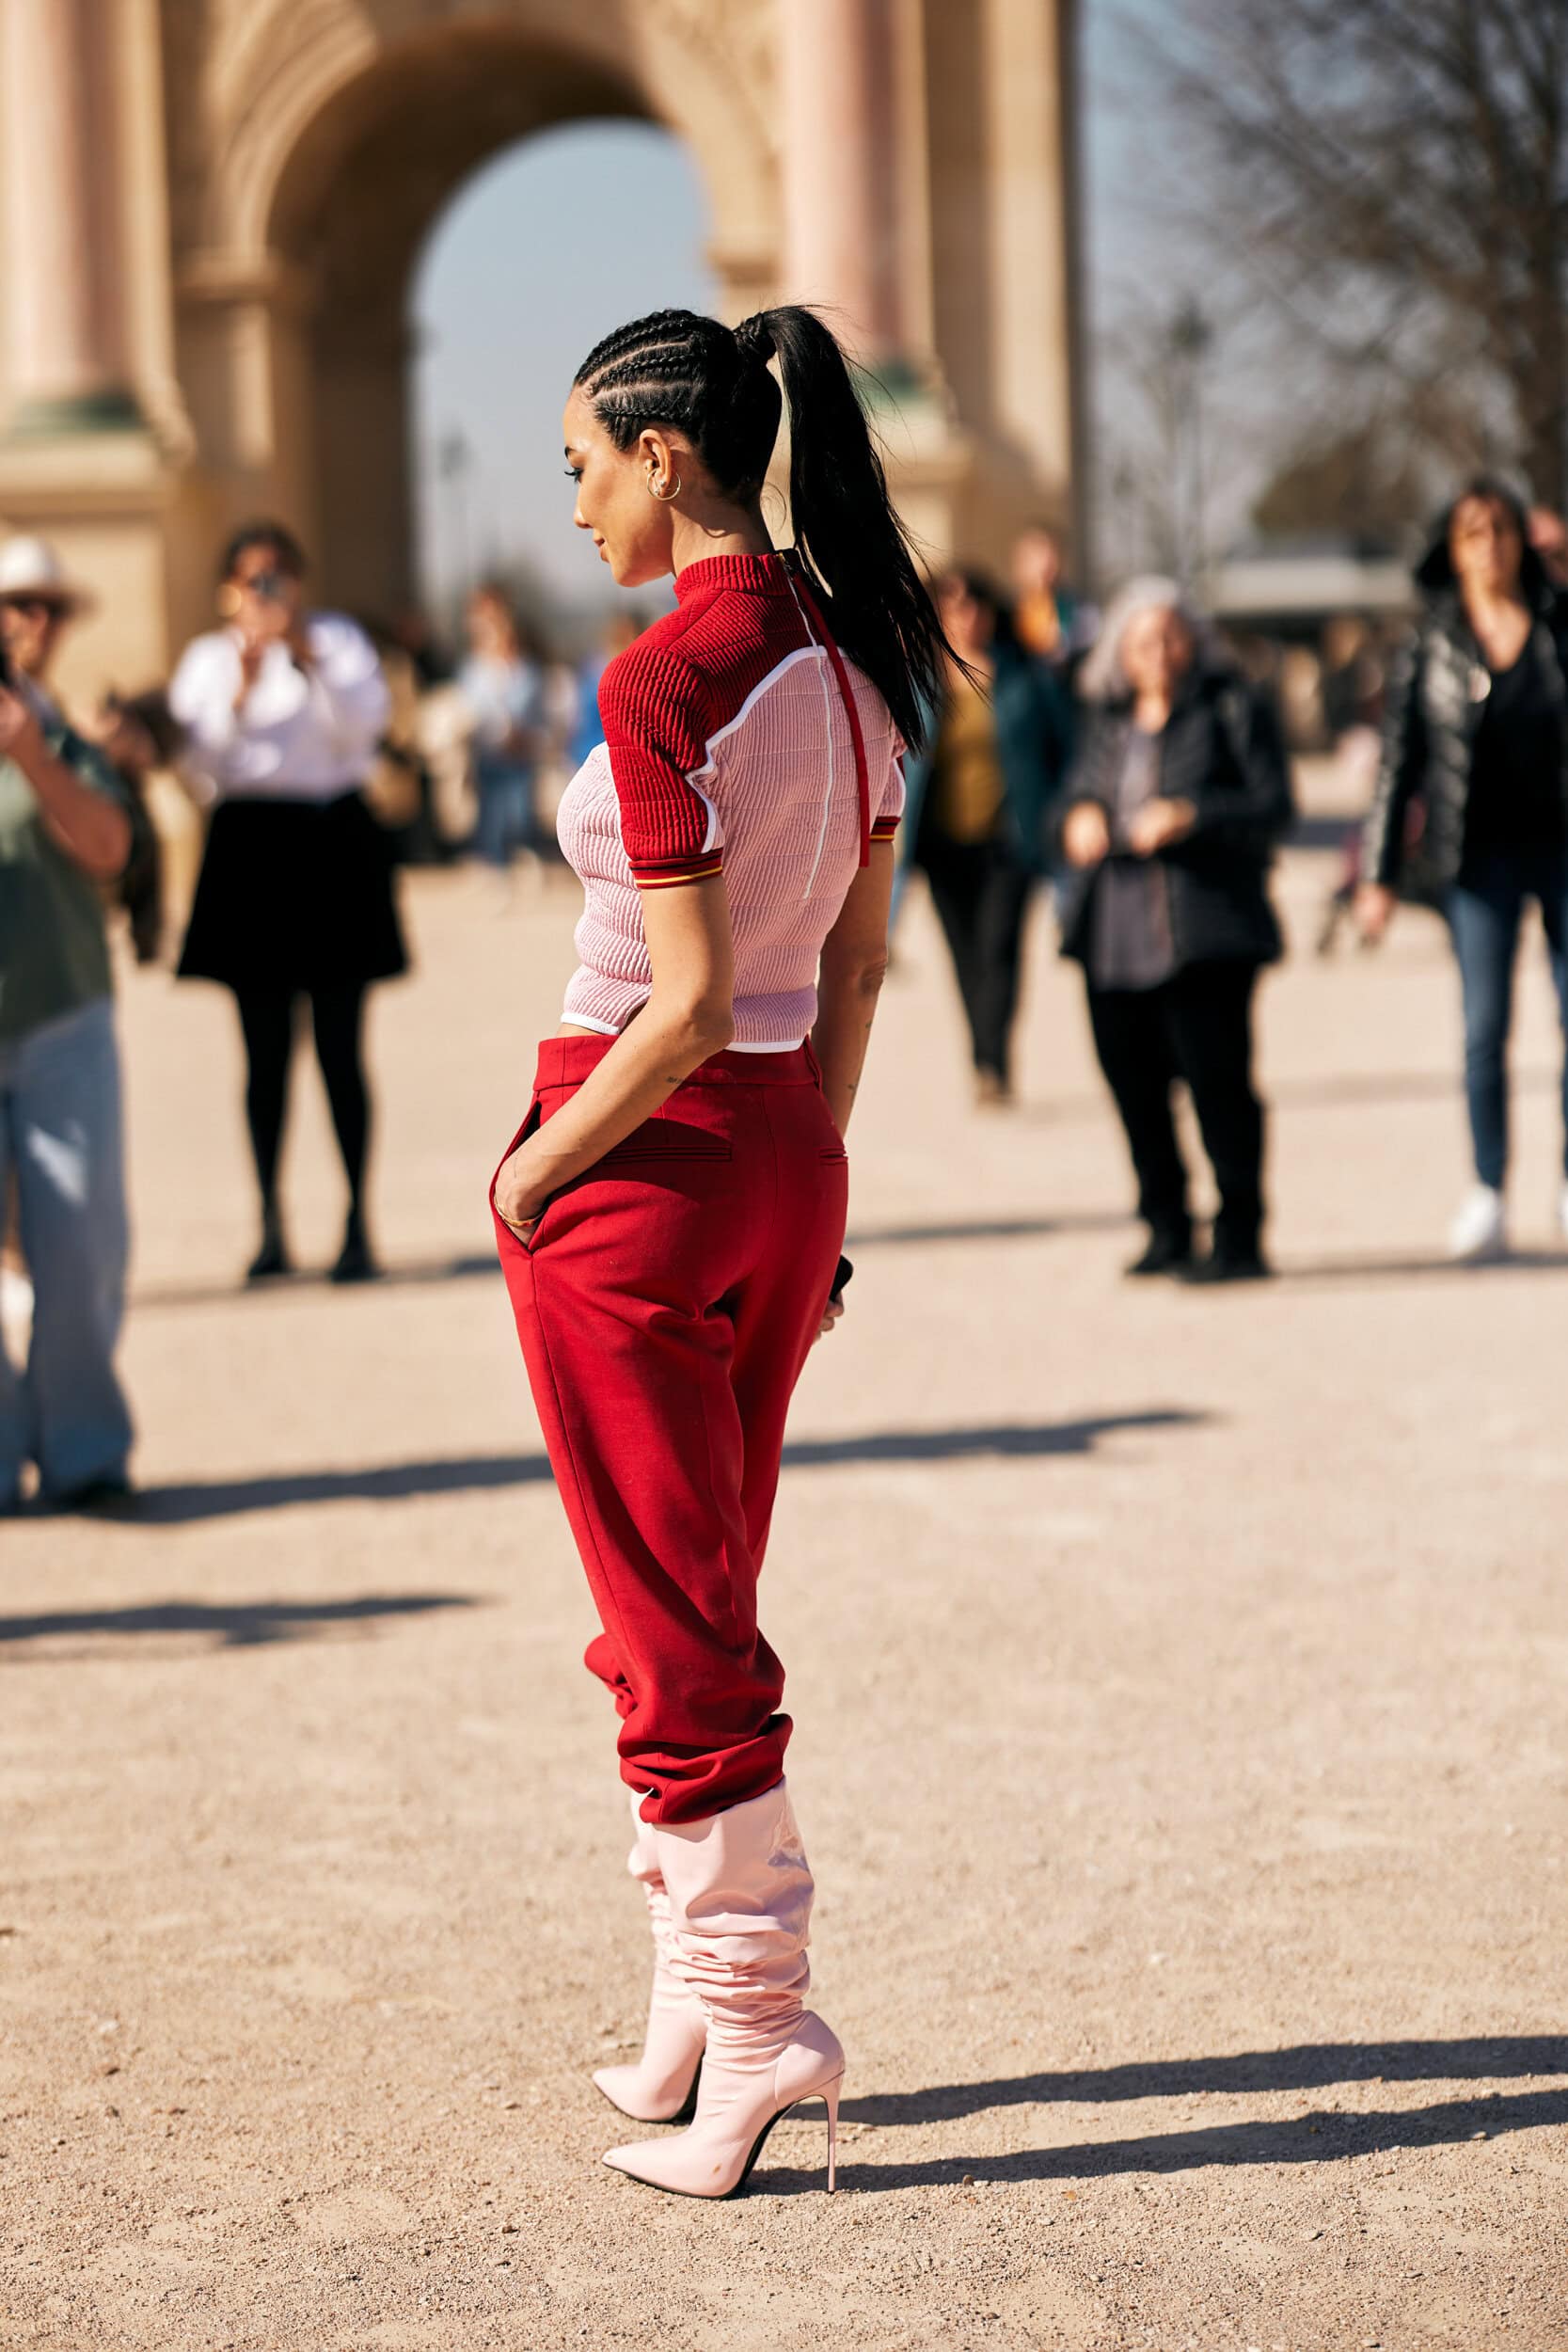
213	209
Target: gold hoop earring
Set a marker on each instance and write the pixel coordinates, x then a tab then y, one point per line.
664	495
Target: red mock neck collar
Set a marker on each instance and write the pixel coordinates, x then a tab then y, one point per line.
751	575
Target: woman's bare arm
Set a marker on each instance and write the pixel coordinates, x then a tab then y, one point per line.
854	965
690	1014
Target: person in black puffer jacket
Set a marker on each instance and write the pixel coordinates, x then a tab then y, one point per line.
1470	810
1166	827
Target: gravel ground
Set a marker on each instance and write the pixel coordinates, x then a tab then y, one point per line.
1180	1745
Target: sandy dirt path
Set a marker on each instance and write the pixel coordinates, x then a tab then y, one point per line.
1178	1685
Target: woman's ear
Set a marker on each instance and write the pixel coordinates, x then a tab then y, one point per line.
655	456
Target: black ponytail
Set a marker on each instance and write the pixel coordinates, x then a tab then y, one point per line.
677	368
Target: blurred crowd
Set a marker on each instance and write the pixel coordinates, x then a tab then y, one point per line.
1126	772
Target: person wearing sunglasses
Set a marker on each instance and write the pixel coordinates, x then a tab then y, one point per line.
67	829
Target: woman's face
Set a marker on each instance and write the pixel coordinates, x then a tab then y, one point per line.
631	529
1485	542
265	597
1156	650
30	630
490	630
967	619
1036	564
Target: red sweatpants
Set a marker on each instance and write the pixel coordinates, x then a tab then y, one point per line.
666	1305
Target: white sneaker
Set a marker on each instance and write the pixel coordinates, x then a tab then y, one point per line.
1480	1231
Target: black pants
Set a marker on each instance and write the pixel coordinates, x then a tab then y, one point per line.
981	895
267	1019
1196	1027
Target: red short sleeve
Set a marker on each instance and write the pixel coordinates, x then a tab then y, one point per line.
657	723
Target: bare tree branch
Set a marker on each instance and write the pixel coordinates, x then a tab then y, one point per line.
1394	173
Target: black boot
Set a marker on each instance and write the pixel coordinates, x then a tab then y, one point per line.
1169	1251
1233	1256
273	1257
356	1260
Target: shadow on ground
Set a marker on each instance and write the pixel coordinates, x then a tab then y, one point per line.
467	1267
1305	2066
1363	1268
233	1625
178	1506
1322	2136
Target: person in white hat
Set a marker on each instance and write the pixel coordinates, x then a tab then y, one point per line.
38	597
67	828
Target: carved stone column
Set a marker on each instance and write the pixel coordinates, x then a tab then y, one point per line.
840	180
61	282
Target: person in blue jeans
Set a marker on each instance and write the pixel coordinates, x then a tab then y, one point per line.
68	826
1470	811
504	688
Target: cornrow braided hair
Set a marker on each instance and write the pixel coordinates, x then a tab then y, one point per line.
678	368
714	384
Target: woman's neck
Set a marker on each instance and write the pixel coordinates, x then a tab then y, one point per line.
1487	606
1151	711
715	531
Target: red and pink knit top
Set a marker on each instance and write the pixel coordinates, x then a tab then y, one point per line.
737	738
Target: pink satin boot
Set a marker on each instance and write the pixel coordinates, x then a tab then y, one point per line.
662	2087
740	1906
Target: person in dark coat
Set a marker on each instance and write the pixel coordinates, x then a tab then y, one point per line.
1168	826
977	800
1470	810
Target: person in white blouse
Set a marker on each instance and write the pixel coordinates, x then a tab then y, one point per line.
282	709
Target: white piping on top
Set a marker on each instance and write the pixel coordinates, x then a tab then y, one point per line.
801	652
710	837
828	715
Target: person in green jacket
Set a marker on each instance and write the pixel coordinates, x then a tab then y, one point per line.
67	829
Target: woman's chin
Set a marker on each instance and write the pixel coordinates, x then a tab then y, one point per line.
626	571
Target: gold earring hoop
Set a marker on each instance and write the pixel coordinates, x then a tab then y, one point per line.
664	495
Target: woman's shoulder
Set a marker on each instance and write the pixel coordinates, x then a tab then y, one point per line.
209	664
655	682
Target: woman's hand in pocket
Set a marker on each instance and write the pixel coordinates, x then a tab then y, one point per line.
522	1190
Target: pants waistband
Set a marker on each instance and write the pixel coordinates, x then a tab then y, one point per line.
566	1061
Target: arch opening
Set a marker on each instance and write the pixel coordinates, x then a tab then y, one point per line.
363	194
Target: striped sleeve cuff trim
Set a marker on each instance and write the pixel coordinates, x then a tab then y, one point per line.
884	827
666	873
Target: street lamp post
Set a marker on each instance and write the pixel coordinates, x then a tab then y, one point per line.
454	459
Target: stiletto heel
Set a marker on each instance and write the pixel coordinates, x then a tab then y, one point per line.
830	2100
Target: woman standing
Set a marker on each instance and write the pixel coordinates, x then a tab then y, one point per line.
1169	821
978	798
670	1216
1470	812
504	689
282	711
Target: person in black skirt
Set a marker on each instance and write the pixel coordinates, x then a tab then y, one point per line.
1167	825
282	709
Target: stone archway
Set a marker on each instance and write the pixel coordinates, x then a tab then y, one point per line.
238	192
329	192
